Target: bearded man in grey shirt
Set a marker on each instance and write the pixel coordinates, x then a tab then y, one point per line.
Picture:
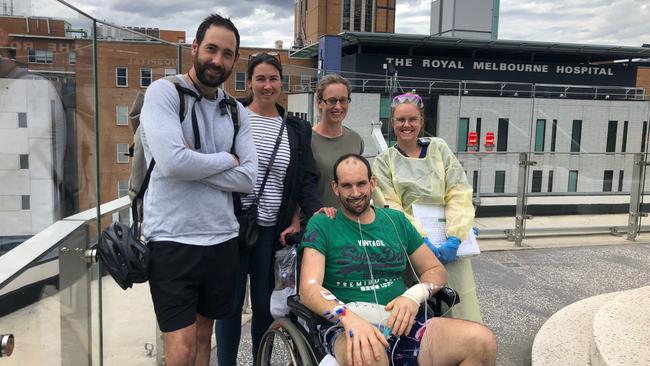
189	222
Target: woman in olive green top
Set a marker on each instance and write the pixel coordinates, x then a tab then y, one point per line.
330	139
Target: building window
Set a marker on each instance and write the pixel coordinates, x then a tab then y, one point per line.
537	181
644	132
24	161
305	82
502	135
40	56
25	204
72	58
608	176
550	181
463	129
624	142
122	151
540	132
612	126
346	15
576	135
145	77
357	15
573	181
170	72
22	120
121	76
122	188
122	115
499	181
475	181
553	135
369	16
240	81
620	180
286	83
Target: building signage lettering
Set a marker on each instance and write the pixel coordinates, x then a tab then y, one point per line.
502	66
152	61
466	68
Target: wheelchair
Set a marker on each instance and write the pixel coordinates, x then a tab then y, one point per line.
298	331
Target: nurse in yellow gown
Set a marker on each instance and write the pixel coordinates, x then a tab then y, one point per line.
424	170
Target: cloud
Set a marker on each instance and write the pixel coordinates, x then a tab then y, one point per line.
621	22
261	22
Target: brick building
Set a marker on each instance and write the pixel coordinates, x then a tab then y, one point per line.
53	49
313	19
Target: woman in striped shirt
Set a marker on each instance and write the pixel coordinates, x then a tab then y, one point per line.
291	184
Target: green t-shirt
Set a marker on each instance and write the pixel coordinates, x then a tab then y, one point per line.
342	242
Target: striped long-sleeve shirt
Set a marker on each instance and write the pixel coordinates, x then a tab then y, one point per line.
265	132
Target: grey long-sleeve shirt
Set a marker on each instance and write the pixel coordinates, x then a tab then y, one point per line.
189	197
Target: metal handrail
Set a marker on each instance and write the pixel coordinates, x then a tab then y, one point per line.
19	259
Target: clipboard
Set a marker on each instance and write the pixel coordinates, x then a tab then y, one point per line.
432	219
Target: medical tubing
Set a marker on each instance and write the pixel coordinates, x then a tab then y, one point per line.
372	277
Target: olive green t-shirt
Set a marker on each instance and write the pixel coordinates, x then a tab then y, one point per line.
342	242
326	151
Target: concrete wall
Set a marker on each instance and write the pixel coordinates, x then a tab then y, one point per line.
590	163
42	141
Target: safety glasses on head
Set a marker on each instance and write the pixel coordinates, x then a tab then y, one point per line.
407	98
264	56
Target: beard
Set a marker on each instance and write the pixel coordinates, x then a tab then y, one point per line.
201	73
355	205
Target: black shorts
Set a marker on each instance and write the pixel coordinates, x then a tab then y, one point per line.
186	280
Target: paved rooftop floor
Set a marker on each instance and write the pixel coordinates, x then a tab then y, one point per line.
520	289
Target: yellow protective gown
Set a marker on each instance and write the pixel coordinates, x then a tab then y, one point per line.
437	179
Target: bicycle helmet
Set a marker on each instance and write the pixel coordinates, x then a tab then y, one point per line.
124	256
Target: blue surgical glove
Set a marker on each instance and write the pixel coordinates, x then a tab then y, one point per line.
433	248
448	250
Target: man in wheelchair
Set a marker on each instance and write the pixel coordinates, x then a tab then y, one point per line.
351	274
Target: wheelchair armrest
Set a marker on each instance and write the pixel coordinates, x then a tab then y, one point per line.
445	295
311	321
303	312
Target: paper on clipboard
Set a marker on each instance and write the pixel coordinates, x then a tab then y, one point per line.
432	219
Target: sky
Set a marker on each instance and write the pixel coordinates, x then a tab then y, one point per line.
261	22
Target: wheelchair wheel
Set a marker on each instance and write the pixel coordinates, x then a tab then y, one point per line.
290	341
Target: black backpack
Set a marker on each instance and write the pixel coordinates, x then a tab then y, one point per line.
140	174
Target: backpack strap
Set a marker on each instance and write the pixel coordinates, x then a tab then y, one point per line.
183	94
230	102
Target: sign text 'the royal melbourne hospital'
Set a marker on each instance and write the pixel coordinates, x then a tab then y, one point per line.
495	70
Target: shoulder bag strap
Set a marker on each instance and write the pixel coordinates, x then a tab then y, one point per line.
272	160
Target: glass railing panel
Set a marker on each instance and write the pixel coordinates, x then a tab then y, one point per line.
578	193
595	122
49	314
129	62
645	198
47	173
129	328
494	177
